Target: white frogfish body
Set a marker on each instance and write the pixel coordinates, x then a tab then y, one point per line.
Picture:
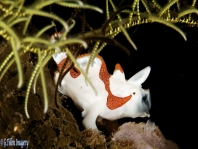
116	97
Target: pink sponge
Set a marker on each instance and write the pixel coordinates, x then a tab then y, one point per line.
142	136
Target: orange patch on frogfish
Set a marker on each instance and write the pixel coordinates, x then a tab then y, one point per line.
74	72
60	65
118	67
113	102
83	55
